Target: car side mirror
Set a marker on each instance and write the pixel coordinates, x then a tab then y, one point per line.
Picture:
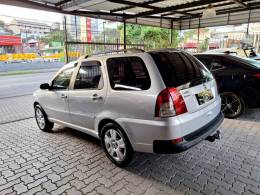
45	86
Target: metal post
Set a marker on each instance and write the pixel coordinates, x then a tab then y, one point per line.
117	44
198	34
66	40
104	33
171	38
228	18
248	21
124	34
76	35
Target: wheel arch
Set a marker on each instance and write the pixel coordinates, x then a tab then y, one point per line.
105	121
236	91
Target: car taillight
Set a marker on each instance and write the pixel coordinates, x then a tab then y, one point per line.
177	140
170	103
257	75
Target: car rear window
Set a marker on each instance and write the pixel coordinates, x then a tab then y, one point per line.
179	68
128	73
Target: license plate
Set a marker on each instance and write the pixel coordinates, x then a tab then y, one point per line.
204	96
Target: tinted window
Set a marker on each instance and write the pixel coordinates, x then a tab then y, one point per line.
252	62
205	61
128	73
179	68
213	62
216	64
89	76
62	81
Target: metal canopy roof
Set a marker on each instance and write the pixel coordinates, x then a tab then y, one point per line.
178	14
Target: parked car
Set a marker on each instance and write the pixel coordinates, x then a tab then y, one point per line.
238	81
248	52
162	101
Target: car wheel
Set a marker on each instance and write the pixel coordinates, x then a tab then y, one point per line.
232	104
41	118
116	145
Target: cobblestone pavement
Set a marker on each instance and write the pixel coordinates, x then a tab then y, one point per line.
69	162
16	108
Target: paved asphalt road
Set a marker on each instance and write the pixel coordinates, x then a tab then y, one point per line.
18	85
29	66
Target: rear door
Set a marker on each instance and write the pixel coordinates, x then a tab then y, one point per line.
183	71
88	94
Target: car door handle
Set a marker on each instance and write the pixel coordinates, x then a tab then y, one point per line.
96	97
63	96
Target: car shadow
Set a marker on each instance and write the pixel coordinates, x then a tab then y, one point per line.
250	115
75	133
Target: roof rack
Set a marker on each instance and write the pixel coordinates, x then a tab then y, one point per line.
229	52
130	50
165	49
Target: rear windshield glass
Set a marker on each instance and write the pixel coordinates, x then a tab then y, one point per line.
252	62
179	68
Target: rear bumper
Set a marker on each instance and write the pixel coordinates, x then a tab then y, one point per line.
189	140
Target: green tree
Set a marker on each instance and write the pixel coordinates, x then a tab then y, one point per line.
204	45
152	37
55	36
2	23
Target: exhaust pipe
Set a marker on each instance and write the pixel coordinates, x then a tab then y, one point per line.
214	136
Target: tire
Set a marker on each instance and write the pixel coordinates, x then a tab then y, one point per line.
42	120
116	145
232	105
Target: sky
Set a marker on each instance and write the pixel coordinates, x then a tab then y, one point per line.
6	10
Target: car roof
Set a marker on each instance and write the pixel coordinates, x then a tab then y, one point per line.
211	54
129	52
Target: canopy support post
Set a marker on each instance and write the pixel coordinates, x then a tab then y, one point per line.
171	35
66	40
124	34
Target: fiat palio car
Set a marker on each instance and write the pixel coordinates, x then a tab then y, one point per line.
163	101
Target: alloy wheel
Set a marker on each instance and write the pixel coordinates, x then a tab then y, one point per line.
40	118
115	145
231	105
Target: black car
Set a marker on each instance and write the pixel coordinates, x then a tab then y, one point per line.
238	81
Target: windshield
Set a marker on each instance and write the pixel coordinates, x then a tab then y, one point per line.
252	62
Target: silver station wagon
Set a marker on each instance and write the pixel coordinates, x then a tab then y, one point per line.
162	101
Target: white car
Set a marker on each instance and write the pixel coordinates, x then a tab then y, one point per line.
162	101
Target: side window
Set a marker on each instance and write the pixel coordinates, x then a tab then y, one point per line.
89	76
62	81
216	64
128	73
205	61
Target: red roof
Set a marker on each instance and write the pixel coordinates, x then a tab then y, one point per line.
190	45
213	45
10	40
195	45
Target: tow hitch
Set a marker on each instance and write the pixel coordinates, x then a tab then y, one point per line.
213	137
